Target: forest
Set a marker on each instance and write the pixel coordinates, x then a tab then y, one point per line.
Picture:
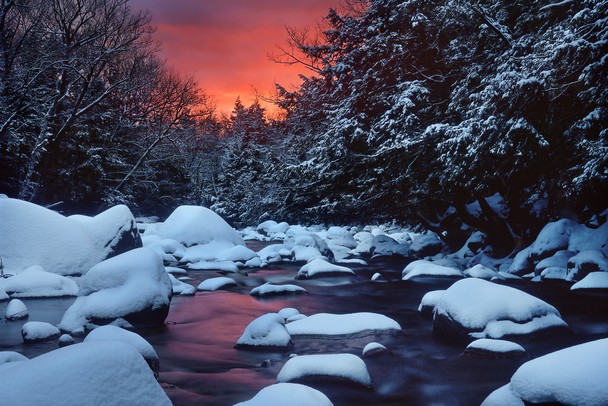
409	111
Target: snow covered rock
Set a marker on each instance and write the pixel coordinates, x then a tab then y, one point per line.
522	263
477	308
220	282
65	340
319	267
384	245
371	349
133	286
192	225
326	324
571	376
11	356
266	332
113	333
292	394
557	260
268	289
340	236
566	234
425	245
594	280
337	366
181	288
86	374
288	312
33	235
34	331
494	348
422	267
482	272
585	262
16	310
36	282
428	303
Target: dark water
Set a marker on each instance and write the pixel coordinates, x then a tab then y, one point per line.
198	364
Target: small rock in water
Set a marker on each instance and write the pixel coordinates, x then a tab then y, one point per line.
16	310
372	349
34	331
66	340
486	347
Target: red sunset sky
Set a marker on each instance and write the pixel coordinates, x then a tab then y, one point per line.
225	43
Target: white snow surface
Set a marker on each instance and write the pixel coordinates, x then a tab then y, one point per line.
320	266
373	347
223	266
493	310
38	330
342	324
430	299
119	286
571	376
216	283
422	267
15	310
268	289
594	280
33	235
36	282
11	356
567	234
343	366
181	288
192	225
482	272
113	333
86	374
492	345
292	394
267	330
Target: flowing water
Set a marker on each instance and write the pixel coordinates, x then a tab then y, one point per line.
198	364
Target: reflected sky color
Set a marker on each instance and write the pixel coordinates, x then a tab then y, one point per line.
226	43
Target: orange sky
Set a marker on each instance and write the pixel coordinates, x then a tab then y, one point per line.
225	43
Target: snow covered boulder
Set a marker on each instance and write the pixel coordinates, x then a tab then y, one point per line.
264	333
113	333
422	267
384	245
16	310
34	331
113	231
522	263
36	282
566	234
268	289
476	308
33	235
308	245
428	303
594	280
425	245
319	267
340	236
220	282
585	262
192	225
11	356
482	272
347	367
486	347
557	260
133	286
351	324
83	374
571	376
292	394
373	348
181	288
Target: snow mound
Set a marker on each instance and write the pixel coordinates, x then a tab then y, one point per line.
320	267
192	225
133	286
268	289
341	366
33	331
482	272
33	235
292	394
16	310
585	262
325	324
113	333
422	267
84	374
488	345
566	234
425	245
484	309
571	376
221	282
221	266
36	282
340	236
181	288
11	356
557	260
594	280
384	245
373	349
428	303
267	331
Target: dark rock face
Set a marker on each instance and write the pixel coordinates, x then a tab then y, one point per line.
126	239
